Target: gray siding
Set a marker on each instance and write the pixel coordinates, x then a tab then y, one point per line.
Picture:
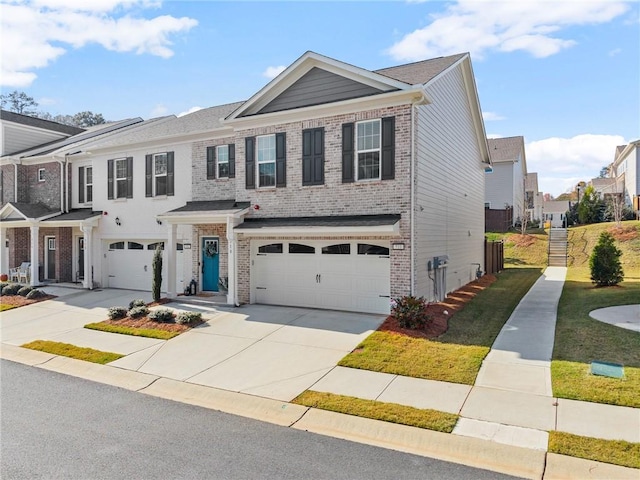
19	138
316	87
449	207
499	185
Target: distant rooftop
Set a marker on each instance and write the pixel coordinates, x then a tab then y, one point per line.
39	123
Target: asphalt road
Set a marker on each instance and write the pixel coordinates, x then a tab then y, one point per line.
54	426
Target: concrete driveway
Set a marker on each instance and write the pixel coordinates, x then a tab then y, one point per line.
269	351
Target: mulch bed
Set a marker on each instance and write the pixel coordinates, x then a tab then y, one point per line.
146	322
441	312
521	240
623	233
20	301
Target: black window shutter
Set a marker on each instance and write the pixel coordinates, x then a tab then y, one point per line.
388	148
211	163
250	166
81	184
313	156
232	160
170	173
347	152
281	160
110	179
148	176
129	177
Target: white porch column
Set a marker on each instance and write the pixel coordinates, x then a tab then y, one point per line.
34	256
232	284
171	260
88	256
4	252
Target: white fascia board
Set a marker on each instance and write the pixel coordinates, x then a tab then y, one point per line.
300	67
8	209
190	218
390	99
168	140
325	231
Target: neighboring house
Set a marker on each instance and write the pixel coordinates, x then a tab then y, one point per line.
533	197
20	132
38	223
607	187
505	181
332	187
626	170
555	212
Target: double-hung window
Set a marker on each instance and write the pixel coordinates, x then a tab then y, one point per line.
266	154
368	150
121	178
160	173
222	153
85	184
89	184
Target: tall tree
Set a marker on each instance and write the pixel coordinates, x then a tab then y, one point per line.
87	119
590	208
19	102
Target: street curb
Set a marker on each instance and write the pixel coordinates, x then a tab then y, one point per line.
258	408
518	461
24	355
563	467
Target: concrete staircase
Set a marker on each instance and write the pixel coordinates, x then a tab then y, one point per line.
558	247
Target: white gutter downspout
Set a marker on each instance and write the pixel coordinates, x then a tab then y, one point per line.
61	162
413	211
66	182
15	181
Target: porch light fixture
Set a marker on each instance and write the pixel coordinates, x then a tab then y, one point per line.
118	222
159	222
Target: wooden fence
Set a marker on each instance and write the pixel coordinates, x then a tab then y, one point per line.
498	220
493	257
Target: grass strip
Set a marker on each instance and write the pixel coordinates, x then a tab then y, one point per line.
138	332
574	380
72	351
4	306
617	452
387	412
457	355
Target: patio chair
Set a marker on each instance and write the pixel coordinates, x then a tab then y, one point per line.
21	273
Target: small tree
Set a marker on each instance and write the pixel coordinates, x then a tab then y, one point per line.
590	208
604	262
157	274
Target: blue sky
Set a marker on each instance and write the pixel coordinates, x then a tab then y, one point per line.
563	74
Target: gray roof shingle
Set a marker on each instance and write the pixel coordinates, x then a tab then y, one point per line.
39	123
506	149
211	205
74	215
333	221
33	210
420	72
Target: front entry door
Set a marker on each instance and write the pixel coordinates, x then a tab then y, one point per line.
80	271
50	257
210	264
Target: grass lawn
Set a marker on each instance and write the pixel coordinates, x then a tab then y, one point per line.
138	332
457	355
4	306
388	412
519	251
68	350
581	339
617	452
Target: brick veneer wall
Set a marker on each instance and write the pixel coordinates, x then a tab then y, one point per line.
202	187
46	192
19	245
8	184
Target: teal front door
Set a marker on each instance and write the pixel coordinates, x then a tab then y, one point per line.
210	264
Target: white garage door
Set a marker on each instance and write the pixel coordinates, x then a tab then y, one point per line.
338	275
130	265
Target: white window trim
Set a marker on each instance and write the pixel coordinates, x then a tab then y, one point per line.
116	179
222	162
155	175
379	150
265	162
41	172
88	184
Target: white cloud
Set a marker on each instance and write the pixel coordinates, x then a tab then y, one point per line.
191	110
615	52
159	110
35	33
47	101
482	26
494	135
491	116
562	162
273	72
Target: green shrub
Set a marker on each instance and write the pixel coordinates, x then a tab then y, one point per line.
409	311
604	262
35	294
188	318
2	285
164	315
11	289
24	291
117	312
137	303
137	312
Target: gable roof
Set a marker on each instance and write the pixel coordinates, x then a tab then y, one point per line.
39	123
507	149
420	72
26	211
